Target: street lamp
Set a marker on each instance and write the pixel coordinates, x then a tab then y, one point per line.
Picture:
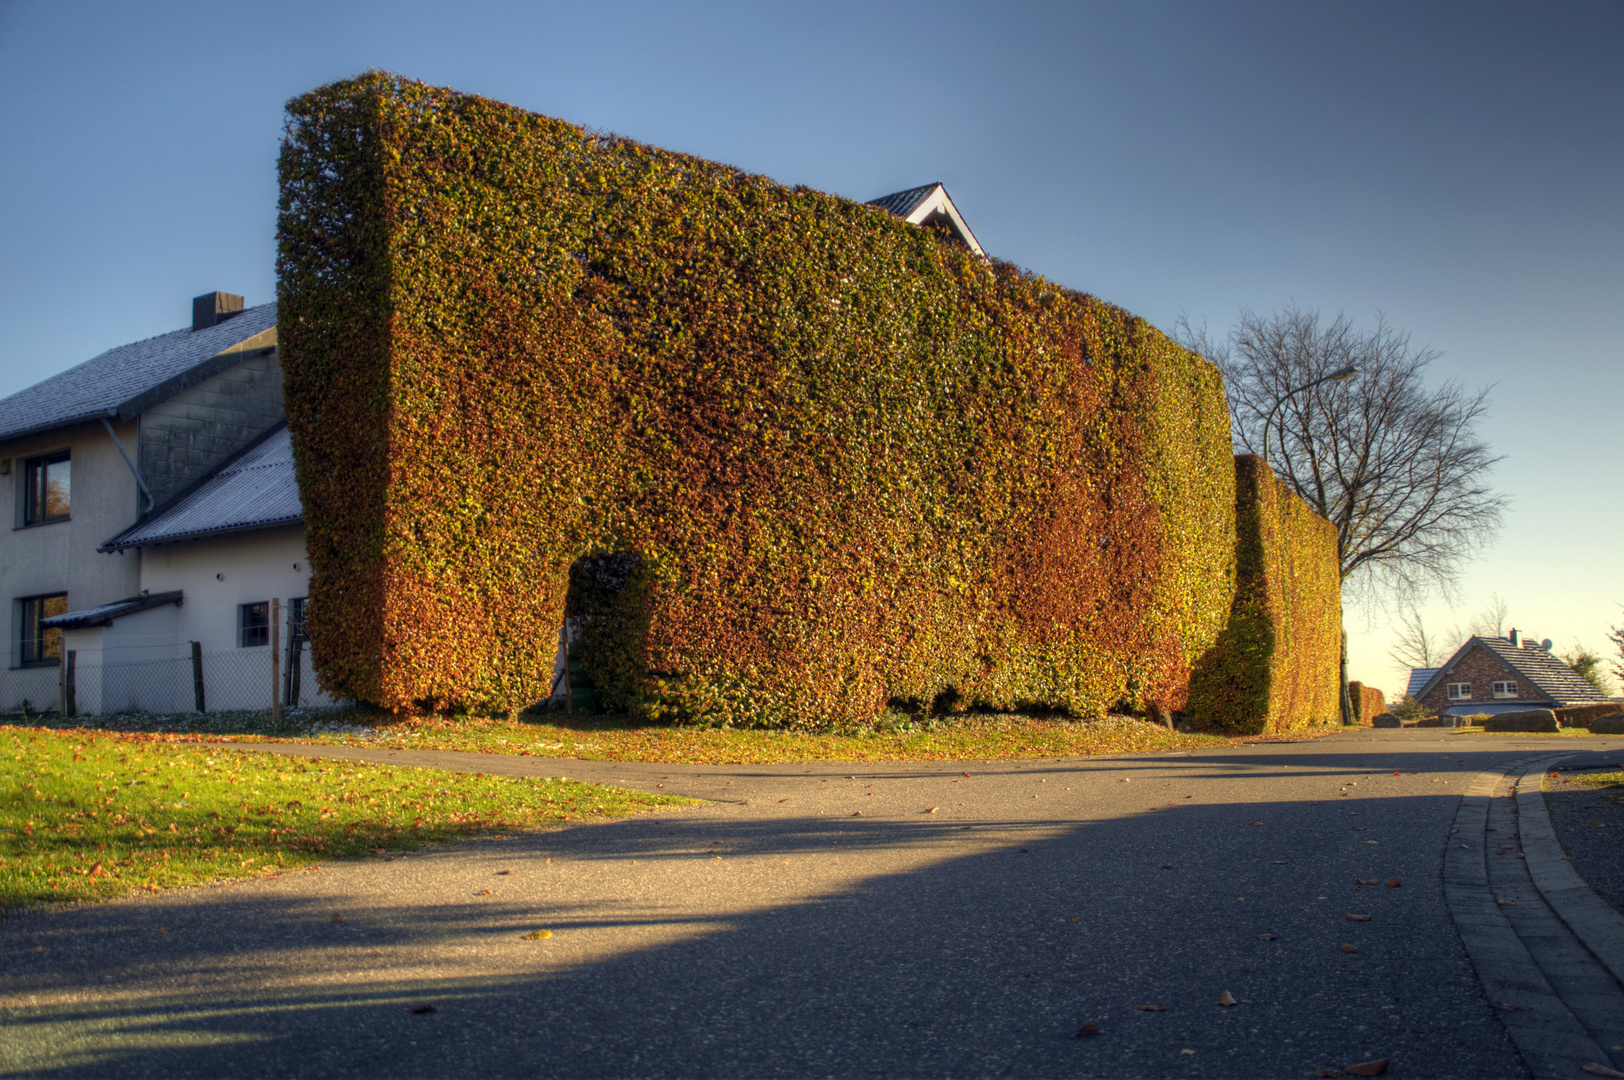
1340	375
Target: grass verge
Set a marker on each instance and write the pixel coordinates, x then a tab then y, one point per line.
609	738
91	814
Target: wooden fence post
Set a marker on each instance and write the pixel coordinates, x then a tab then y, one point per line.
197	675
276	659
61	685
70	694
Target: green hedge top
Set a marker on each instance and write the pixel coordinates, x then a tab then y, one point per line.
842	462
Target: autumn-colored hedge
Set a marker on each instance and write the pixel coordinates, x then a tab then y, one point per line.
1367	701
1581	715
1276	664
825	461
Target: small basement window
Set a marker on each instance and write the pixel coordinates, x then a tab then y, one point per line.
1459	691
253	624
49	490
1505	689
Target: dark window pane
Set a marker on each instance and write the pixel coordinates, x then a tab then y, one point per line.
254	623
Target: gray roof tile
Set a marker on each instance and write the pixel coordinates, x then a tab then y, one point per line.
125	381
258	490
903	203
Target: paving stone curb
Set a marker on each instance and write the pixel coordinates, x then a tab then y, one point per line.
1551	1040
1592	920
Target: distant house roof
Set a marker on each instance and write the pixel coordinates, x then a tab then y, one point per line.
1544	672
122	383
102	614
1419	677
929	205
257	490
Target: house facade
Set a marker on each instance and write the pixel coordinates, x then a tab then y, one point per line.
99	457
1501	674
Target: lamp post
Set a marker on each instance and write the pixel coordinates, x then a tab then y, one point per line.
1340	375
1344	706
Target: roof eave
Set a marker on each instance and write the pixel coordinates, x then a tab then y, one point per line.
206	534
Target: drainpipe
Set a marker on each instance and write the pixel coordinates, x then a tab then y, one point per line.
140	483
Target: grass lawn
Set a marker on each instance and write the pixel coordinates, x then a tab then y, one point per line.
608	738
88	814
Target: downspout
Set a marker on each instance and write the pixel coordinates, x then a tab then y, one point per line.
142	484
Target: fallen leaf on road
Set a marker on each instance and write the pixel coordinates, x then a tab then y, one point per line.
1151	1008
418	1010
1506	1006
39	948
1226	998
1506	903
1368	1068
1350	948
783	800
1357	918
1599	1070
337	917
1393	883
1281	862
538	935
933	809
1023	851
1329	1072
1167	866
1257	823
859	813
1086	1029
1265	937
483	892
503	873
1366	881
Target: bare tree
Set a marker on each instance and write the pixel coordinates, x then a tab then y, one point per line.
1417	647
1615	634
1491	621
1398	469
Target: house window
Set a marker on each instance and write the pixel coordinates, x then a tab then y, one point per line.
1505	689
1459	691
41	645
49	481
253	624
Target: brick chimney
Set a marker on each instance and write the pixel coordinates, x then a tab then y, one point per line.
214	308
1516	638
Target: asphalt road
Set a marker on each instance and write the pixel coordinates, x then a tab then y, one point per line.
825	920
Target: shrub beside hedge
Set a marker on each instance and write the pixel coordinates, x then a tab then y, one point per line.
1275	666
830	461
1368	702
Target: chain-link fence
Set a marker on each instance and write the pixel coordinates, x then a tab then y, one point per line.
186	680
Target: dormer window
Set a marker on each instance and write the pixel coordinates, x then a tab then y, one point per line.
1459	691
49	481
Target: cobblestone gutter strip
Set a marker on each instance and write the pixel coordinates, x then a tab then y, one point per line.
1550	1039
1590	917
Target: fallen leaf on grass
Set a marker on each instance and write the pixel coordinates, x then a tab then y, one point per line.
1086	1029
1357	918
419	1010
1265	937
1151	1008
1594	1069
1367	1068
1226	998
538	935
1350	948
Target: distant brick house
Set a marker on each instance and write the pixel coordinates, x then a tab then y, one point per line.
1501	674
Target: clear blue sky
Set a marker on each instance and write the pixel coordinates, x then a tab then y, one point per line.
1458	167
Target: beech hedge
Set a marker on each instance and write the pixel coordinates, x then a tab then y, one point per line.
1276	666
789	459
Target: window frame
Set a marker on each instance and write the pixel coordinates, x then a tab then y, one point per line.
1458	691
247	629
36	483
1504	689
34	644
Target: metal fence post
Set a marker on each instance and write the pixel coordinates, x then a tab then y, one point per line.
276	659
197	675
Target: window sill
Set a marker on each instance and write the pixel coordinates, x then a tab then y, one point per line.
42	524
36	665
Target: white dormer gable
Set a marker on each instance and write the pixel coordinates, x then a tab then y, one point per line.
930	205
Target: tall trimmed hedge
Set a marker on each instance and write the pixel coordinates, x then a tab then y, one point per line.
1276	664
805	460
